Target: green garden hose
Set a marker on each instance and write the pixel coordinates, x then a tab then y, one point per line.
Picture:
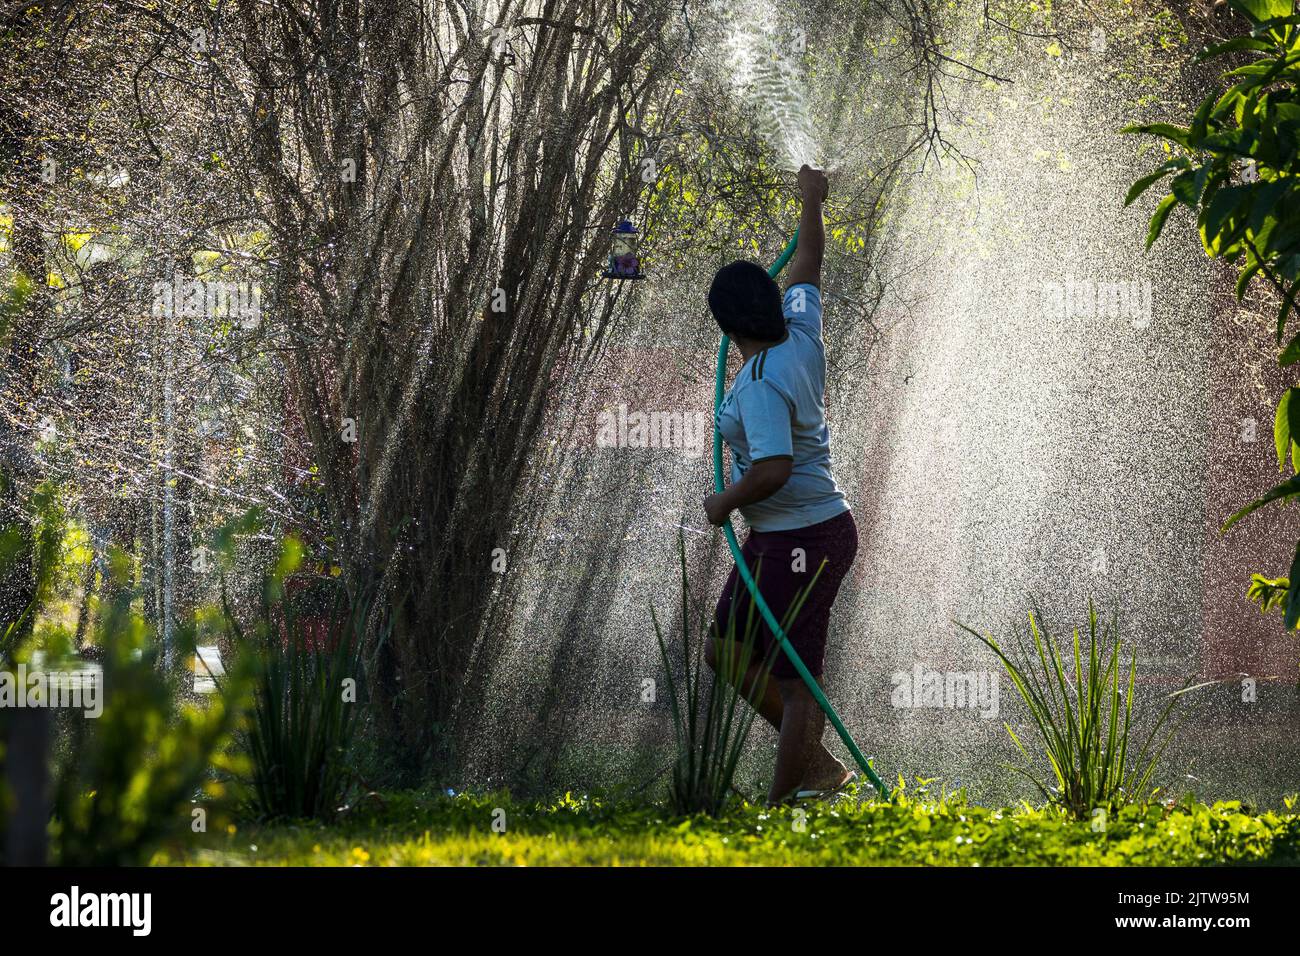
718	392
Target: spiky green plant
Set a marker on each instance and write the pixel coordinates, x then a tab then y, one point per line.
710	724
303	717
1084	719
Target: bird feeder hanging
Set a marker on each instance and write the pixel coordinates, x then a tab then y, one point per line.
624	257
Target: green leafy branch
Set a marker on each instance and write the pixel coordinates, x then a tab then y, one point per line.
1236	166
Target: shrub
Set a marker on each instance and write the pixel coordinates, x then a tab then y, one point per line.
129	779
1083	718
125	781
301	725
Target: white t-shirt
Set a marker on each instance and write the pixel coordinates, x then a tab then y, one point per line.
776	409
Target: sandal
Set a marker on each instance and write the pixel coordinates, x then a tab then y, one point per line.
850	777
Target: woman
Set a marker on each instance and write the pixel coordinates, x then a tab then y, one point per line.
774	420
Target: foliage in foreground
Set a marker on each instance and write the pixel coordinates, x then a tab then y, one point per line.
132	777
129	777
1083	717
404	829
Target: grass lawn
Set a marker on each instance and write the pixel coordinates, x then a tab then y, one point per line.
414	829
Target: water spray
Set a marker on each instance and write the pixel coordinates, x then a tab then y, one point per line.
718	392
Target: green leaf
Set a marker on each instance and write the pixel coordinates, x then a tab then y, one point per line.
1167	131
1158	218
1243	280
1145	183
1189	186
1266	200
1293	421
1262	10
1201	121
1290	355
1288	301
1259	73
1222	218
1293	594
1237	43
1288	489
1282	433
1268	593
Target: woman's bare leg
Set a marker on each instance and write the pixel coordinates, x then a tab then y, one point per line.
820	769
801	730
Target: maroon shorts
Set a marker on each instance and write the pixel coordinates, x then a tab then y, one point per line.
781	575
